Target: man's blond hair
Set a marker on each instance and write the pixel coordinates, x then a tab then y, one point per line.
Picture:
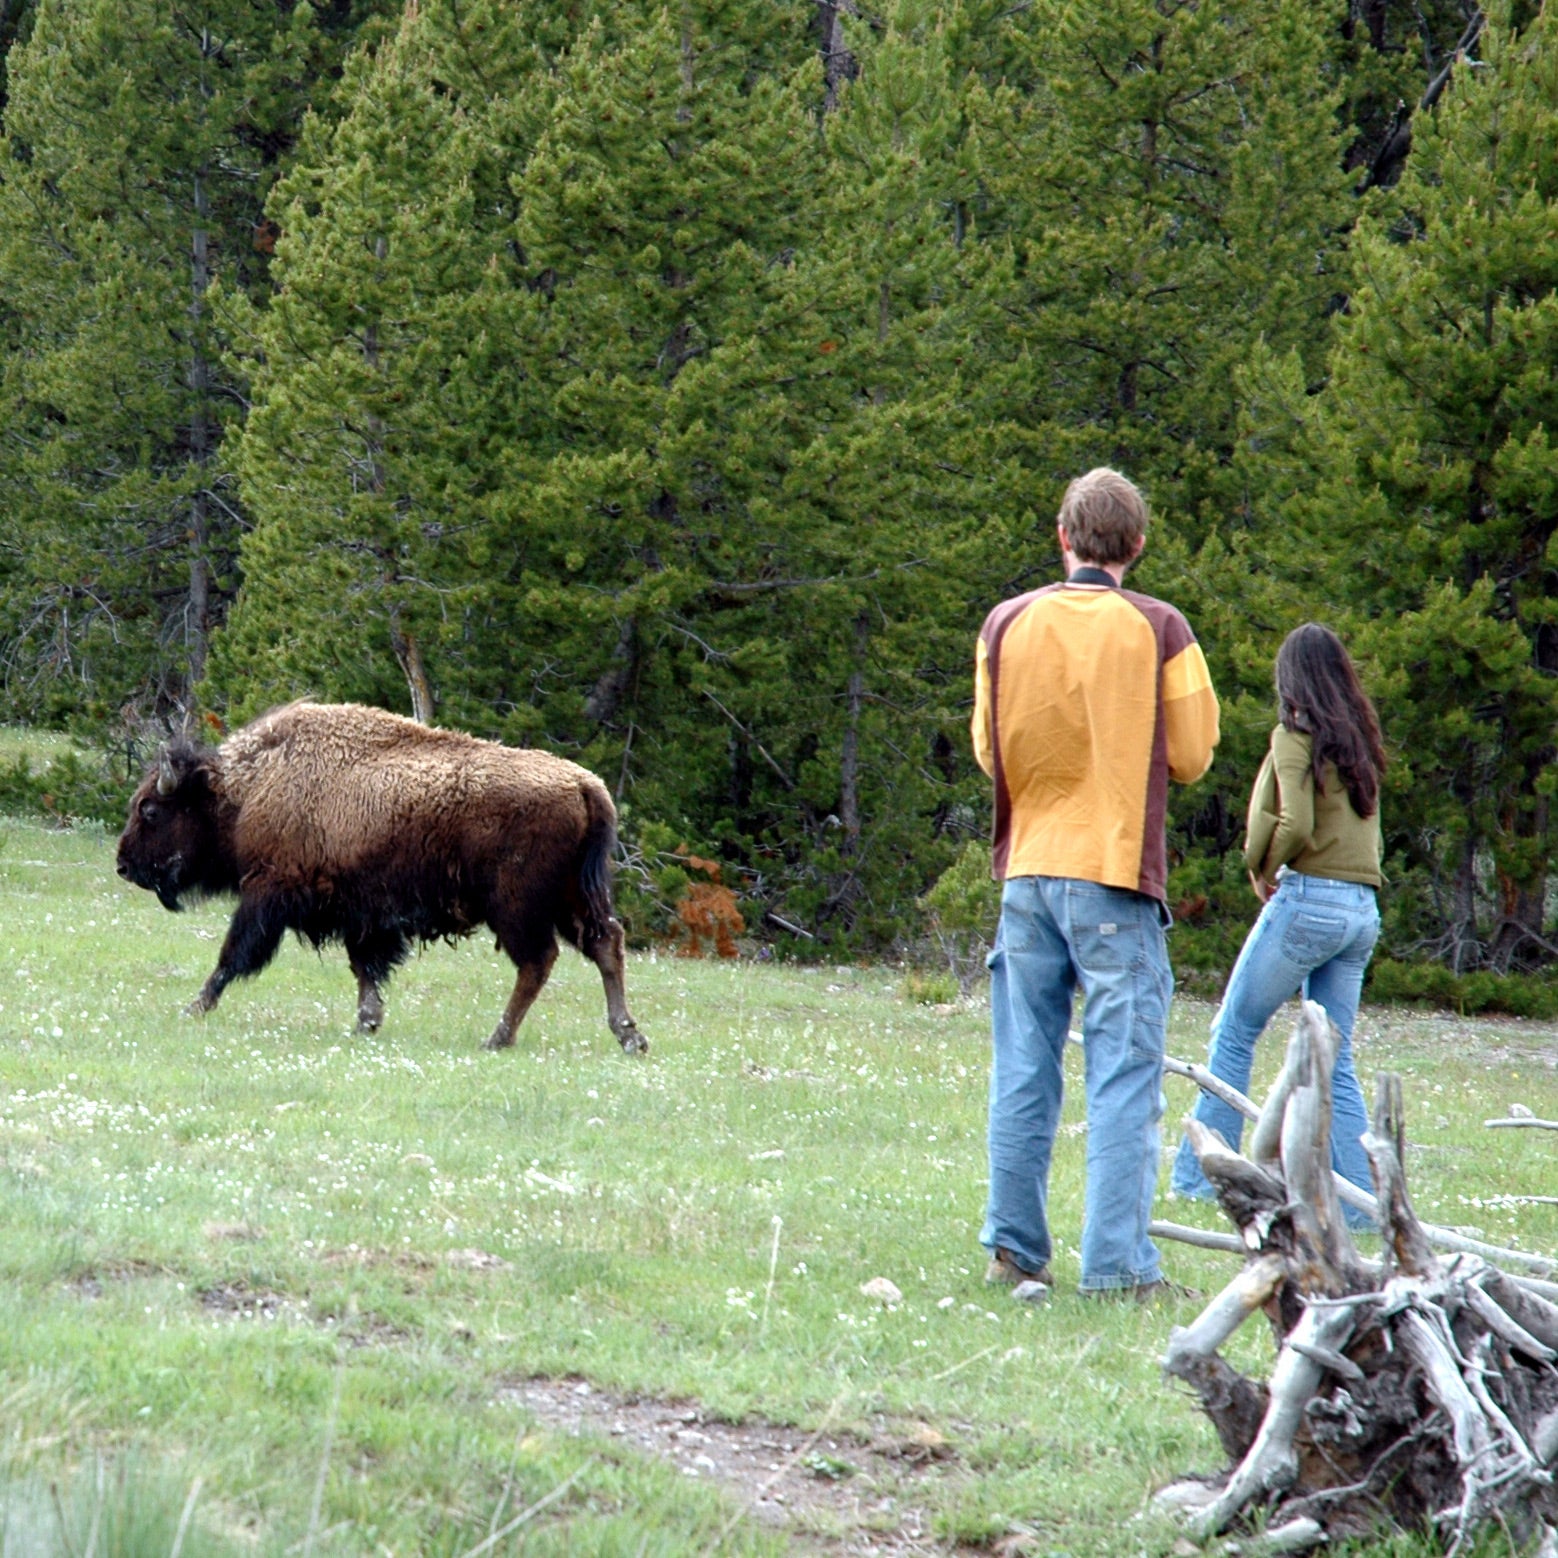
1104	516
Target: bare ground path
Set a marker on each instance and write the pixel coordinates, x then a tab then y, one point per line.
833	1492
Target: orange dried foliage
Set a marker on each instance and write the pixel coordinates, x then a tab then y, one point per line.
707	911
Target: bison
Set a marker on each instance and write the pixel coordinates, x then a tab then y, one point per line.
345	823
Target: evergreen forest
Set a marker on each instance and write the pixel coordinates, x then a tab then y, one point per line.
676	386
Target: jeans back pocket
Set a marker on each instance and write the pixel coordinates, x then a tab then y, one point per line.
1313	937
1105	928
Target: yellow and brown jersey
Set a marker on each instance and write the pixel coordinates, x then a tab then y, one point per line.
1088	699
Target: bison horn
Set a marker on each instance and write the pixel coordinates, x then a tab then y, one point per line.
167	779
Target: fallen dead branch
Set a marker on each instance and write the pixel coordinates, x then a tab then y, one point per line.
1416	1390
1202	1238
1360	1200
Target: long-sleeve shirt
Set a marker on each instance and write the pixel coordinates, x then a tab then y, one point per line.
1289	824
1088	699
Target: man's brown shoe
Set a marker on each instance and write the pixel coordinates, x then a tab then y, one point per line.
1004	1271
1160	1291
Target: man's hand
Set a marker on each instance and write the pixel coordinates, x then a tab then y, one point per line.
1262	889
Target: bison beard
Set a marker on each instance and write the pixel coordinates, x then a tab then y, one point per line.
345	823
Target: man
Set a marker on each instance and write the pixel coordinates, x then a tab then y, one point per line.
1088	699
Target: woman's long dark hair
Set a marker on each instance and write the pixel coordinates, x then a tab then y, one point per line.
1318	692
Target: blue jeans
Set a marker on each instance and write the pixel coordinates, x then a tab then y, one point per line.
1056	933
1316	934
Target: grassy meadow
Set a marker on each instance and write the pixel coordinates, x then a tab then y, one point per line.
270	1287
37	746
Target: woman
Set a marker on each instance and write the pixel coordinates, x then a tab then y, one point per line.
1313	854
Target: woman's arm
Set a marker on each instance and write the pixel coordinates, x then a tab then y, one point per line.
1295	801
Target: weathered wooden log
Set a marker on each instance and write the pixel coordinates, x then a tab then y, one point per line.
1544	1439
1422	1389
1192	1355
1504	1325
1406	1245
1201	1238
1297	1536
1271	1463
1245	1191
1360	1200
1266	1138
1533	1313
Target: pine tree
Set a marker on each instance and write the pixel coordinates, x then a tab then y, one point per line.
1395	57
138	146
1175	187
383	375
15	24
1170	183
1430	486
671	463
912	499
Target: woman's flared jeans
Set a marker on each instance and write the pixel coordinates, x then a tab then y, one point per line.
1317	935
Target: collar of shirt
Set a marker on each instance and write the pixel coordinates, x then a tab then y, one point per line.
1089	575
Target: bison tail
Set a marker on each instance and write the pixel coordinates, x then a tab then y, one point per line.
600	840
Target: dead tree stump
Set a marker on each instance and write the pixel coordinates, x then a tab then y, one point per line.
1417	1390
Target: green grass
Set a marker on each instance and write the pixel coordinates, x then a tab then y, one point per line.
40	747
237	1249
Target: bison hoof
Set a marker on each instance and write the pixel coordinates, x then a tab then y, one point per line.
367	1022
501	1039
633	1042
198	1007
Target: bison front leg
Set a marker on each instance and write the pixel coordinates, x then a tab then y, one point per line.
371	958
608	953
370	1004
251	941
533	971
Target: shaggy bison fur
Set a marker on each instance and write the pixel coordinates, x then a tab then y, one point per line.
345	823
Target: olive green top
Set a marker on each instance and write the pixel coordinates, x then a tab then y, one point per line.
1290	825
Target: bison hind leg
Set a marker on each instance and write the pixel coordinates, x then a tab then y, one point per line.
606	948
534	963
373	955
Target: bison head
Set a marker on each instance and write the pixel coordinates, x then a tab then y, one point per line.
170	843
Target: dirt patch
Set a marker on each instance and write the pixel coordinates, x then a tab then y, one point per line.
371	1331
239	1301
89	1283
242	1233
414	1260
834	1492
1489	1035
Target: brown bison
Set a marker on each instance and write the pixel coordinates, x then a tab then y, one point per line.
344	823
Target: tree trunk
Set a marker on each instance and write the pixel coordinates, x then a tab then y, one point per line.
838	63
202	442
605	698
408	655
1464	945
849	755
1518	941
